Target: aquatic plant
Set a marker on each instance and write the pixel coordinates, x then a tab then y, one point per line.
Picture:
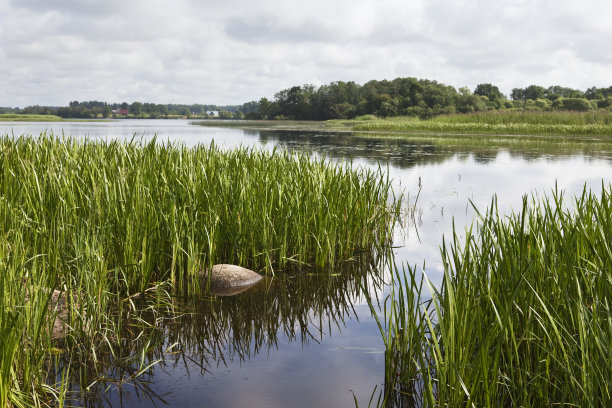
499	123
19	117
598	117
105	222
523	317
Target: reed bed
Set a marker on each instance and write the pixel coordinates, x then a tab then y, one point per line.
598	117
18	117
523	317
500	123
104	222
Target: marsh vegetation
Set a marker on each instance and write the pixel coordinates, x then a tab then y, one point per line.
597	123
522	318
105	223
23	117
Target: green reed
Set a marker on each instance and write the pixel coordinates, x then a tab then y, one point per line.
523	317
598	117
19	117
597	123
106	221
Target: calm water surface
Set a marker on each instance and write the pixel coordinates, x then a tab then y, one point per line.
306	341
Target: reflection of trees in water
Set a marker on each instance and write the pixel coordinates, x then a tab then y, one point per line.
204	333
409	151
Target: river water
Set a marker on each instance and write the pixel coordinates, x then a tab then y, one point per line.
311	340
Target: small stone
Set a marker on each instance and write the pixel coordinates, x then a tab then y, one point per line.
57	304
227	280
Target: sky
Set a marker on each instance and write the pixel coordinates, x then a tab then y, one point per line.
234	51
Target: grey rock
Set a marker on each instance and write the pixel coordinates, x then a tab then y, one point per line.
58	306
227	280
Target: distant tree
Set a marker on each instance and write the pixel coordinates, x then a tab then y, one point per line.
605	102
534	92
594	93
554	92
468	102
342	110
575	104
518	94
490	91
136	108
163	110
225	114
250	109
543	104
265	109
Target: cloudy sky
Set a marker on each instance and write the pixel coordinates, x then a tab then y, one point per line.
234	51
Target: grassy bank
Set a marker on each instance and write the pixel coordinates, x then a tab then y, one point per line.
523	317
16	117
598	123
106	221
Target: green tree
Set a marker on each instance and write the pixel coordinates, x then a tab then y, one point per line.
534	92
575	104
265	109
136	108
518	94
490	91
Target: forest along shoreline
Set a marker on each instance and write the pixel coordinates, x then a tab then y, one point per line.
497	123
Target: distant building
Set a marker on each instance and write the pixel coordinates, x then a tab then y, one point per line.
123	112
214	114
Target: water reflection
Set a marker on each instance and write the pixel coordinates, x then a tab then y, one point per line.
200	335
409	151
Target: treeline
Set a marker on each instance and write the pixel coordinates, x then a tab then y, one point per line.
416	97
97	109
344	100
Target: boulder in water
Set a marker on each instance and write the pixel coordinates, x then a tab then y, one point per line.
227	280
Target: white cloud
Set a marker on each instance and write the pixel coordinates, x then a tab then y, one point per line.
231	52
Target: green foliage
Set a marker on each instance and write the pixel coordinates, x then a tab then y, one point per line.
97	109
523	317
415	97
490	91
573	104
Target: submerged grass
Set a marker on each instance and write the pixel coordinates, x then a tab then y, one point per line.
106	221
523	317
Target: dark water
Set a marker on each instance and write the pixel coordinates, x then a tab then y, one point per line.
310	340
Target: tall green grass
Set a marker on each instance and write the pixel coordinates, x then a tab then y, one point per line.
106	221
18	117
598	117
523	317
597	123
